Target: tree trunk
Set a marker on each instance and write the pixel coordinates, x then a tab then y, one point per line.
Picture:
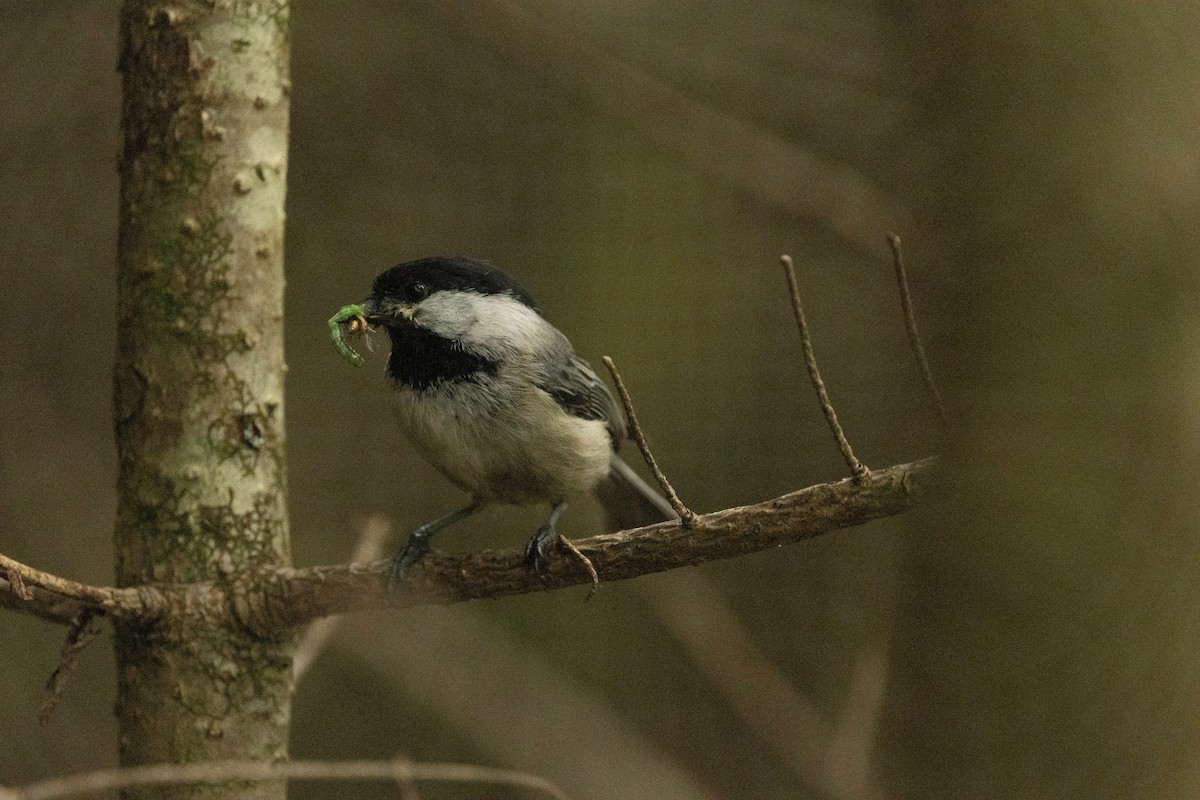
199	373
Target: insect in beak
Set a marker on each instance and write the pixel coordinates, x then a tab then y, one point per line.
350	321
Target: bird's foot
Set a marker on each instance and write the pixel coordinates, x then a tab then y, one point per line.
413	551
418	543
537	552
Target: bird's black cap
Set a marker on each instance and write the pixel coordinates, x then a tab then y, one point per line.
413	281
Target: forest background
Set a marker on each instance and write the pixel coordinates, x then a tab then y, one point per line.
640	167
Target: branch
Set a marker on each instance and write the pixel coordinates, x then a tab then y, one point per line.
62	600
270	599
371	542
854	737
400	771
288	597
700	619
81	633
40	603
770	168
505	721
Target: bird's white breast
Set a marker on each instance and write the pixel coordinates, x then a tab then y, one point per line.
501	438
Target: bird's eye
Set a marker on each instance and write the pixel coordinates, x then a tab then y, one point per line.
418	291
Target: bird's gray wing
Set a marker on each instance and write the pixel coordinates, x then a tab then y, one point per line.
578	390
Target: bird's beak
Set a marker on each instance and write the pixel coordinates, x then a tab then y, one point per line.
379	311
372	311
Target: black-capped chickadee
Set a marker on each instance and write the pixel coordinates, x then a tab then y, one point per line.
494	396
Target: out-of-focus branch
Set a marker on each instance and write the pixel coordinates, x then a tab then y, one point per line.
910	327
400	771
848	758
700	619
371	543
832	759
432	658
772	169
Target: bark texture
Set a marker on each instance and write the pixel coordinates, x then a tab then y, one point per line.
199	374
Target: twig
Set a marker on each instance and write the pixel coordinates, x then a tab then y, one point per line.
910	326
375	533
50	607
143	602
225	771
20	577
686	515
587	564
83	630
857	469
17	584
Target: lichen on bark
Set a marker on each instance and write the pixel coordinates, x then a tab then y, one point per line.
198	384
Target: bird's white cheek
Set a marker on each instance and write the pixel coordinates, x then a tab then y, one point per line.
493	325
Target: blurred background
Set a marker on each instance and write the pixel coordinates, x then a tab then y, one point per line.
640	167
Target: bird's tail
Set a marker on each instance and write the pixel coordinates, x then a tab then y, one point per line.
628	501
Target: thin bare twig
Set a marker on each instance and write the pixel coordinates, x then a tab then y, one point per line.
41	590
42	604
83	630
225	771
857	469
910	326
17	585
686	515
587	564
371	542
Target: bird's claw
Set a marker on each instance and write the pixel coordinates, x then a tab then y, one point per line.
537	552
350	319
413	551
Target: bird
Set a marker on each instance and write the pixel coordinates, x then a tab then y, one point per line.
496	399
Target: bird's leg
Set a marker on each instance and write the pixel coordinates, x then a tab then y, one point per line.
418	542
537	552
